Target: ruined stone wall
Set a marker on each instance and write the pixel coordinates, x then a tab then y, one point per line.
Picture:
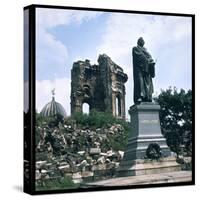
101	86
83	85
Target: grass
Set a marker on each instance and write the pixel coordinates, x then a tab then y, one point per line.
57	184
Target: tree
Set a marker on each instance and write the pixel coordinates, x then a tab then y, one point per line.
176	119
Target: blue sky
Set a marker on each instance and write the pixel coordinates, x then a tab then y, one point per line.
65	36
80	41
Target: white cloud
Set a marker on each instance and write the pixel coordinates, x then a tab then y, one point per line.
52	54
122	32
49	18
62	93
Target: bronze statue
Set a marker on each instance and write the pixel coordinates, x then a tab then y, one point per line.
143	72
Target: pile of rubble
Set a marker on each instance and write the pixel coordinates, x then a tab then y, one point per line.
79	153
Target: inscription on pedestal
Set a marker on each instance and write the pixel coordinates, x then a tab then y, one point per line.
146	121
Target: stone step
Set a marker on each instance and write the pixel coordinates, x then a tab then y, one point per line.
172	177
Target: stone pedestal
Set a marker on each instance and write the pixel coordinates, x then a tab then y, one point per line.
145	130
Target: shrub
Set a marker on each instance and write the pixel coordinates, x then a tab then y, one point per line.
176	119
58	183
97	119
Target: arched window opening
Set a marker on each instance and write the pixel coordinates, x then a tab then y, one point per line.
118	106
86	108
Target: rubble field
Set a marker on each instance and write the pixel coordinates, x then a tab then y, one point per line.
77	153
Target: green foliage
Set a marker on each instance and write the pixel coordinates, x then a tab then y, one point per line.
59	183
97	119
176	119
94	119
52	121
118	142
185	165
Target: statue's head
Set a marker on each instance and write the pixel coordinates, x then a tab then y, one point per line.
140	42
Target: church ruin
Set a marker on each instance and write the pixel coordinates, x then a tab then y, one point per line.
101	86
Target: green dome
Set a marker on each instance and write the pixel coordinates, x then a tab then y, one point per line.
52	108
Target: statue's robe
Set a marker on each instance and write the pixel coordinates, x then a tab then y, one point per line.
143	72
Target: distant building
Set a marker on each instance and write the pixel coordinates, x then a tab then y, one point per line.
53	108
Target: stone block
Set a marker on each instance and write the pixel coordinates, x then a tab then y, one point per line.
144	167
37	175
101	160
68	175
65	168
99	167
94	151
77	175
40	164
86	174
